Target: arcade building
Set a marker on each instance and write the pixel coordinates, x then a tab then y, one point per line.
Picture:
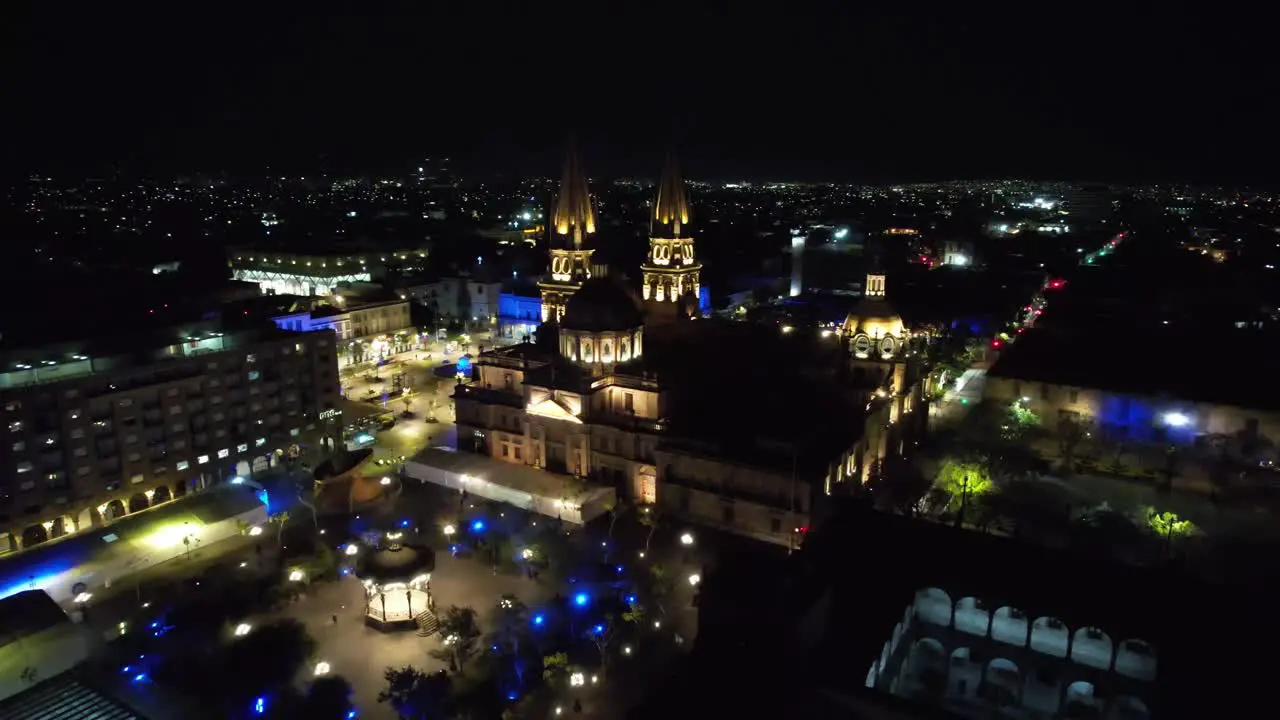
738	426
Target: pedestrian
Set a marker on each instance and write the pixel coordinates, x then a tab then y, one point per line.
335	618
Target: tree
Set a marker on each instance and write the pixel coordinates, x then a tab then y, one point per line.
1168	526
511	621
898	486
963	482
555	668
328	698
1070	435
1109	531
408	402
280	519
650	517
1020	423
659	587
617	509
266	659
459	632
416	695
601	635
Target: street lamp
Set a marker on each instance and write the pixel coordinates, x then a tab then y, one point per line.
297	576
243	629
694	579
686	539
322	668
449	530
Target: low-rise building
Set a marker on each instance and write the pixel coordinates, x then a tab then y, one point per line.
1146	387
286	273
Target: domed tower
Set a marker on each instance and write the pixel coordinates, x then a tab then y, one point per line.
572	220
873	327
671	272
603	325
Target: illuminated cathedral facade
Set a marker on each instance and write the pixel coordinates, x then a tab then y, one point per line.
601	393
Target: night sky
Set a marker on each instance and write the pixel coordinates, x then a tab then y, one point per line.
751	90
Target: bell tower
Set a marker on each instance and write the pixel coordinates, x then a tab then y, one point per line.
572	220
671	271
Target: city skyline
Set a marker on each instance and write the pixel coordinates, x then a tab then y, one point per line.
811	96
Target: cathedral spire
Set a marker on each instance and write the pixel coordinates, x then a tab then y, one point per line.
671	205
572	215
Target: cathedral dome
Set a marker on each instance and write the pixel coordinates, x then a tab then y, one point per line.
602	303
875	317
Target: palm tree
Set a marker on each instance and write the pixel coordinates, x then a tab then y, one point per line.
280	519
650	517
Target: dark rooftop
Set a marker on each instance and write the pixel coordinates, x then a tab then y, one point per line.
27	613
1222	368
64	698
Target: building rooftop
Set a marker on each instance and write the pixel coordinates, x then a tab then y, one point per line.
64	698
27	613
1224	367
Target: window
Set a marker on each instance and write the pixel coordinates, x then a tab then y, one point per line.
19	446
13	405
1044	391
177	427
82	471
293	432
213	365
136	479
179	444
516	449
25	466
299	347
726	514
775	524
133	457
15	426
505	449
77	433
219	417
254	374
183	465
259	442
126	402
201	460
74	414
224	452
171	392
251	358
1074	396
175	409
242	447
131	438
80	452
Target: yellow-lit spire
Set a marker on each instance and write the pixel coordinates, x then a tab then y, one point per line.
671	206
572	214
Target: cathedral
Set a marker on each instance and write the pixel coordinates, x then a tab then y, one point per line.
726	424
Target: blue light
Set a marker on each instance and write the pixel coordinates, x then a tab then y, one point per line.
597	629
265	498
631	599
477	526
581	599
618	568
237	480
140	677
404	523
511	696
351	714
126	668
155	624
260	705
539	619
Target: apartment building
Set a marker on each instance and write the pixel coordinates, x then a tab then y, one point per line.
94	430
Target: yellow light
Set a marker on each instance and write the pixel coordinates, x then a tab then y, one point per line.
170	536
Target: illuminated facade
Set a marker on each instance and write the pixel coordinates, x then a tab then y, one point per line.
282	273
888	357
572	220
671	272
104	429
592	399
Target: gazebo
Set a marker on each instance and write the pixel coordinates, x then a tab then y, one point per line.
397	581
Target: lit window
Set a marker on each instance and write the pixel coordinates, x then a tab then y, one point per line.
259	442
134	480
254	374
242	447
224	452
251	358
25	466
19	446
15	426
202	459
293	432
126	402
183	465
